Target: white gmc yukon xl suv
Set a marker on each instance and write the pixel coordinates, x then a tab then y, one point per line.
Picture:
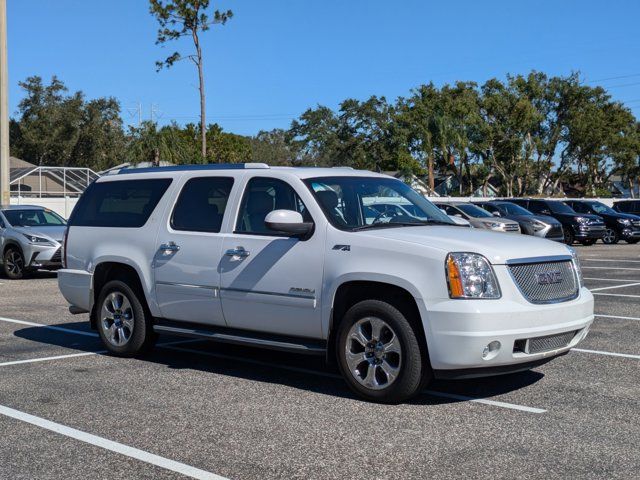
318	261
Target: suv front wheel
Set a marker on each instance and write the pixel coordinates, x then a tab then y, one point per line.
14	264
122	320
379	353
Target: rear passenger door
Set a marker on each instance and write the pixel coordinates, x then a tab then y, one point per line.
189	245
272	282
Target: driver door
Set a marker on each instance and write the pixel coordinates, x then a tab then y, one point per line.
269	281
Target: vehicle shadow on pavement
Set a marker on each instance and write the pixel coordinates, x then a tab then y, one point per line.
302	372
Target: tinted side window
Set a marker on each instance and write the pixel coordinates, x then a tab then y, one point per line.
537	206
579	207
622	206
490	208
126	203
263	195
201	204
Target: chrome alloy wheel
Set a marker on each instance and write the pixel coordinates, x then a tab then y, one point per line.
373	353
116	319
609	236
15	263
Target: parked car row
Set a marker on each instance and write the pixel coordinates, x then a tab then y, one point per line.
569	221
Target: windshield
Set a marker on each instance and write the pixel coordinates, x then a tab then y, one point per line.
34	218
474	210
601	208
513	209
352	203
559	207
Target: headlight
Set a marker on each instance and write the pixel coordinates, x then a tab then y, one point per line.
581	220
494	224
537	226
469	275
624	221
576	264
37	240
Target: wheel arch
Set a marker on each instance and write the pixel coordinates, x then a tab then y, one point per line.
396	293
114	270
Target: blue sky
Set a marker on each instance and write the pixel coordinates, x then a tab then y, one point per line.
276	58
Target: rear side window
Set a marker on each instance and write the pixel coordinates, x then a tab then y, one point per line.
201	204
125	204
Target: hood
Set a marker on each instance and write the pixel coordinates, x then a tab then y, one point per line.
53	233
495	246
529	218
493	219
590	216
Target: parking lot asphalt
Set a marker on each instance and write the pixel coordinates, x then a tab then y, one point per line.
208	411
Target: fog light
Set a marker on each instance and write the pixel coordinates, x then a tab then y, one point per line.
491	350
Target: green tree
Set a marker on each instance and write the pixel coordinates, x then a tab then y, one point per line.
59	129
187	18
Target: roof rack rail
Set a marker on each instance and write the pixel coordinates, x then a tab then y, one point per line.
194	167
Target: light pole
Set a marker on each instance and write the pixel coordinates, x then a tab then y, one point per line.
4	108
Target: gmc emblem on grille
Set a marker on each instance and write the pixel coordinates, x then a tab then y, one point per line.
547	278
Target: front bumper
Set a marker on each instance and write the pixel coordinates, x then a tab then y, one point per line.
43	256
587	232
459	331
630	232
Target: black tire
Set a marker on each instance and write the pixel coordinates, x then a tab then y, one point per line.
142	338
588	242
611	237
414	369
13	264
569	238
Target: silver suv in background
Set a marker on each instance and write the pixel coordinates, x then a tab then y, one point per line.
542	226
478	217
30	239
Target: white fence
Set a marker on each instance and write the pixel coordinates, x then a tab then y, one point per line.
61	205
64	205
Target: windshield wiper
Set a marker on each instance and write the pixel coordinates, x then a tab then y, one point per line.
419	223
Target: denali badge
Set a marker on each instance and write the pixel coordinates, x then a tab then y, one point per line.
547	278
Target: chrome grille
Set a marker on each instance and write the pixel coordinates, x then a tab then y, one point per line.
549	342
546	282
511	227
57	257
555	231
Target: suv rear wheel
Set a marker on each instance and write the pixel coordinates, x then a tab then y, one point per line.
379	353
13	264
122	320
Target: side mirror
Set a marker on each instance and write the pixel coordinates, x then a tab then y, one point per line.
546	212
496	214
287	221
458	215
442	210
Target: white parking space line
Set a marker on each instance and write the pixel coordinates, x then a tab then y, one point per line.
609	354
614	286
485	401
86	354
617	295
50	327
116	447
618	317
434	393
610	268
46	359
612	279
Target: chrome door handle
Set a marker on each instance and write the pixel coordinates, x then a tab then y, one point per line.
170	247
237	252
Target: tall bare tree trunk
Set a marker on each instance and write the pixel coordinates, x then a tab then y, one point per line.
203	120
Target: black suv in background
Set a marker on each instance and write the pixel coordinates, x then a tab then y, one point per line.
627	206
542	226
620	226
583	227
